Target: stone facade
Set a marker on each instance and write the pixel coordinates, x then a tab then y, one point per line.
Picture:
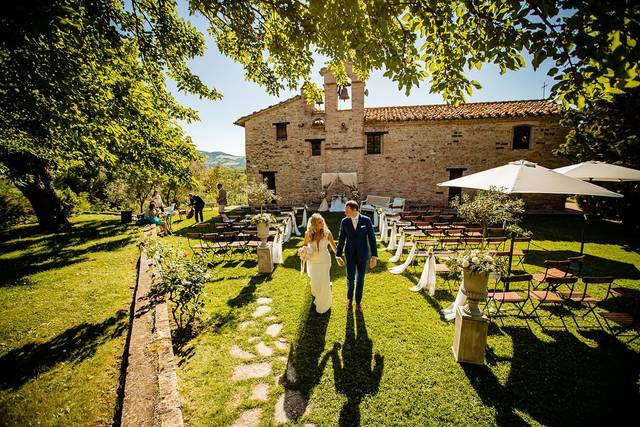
416	154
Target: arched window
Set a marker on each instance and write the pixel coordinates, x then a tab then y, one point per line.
522	137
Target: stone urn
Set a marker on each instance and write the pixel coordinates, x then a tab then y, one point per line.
263	233
475	289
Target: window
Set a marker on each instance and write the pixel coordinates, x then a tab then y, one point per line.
455	173
316	149
269	178
281	131
521	137
374	143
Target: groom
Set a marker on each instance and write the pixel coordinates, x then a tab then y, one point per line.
357	231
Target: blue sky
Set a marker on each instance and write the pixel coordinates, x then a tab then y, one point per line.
216	131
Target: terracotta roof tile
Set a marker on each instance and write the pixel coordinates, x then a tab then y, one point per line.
478	110
242	120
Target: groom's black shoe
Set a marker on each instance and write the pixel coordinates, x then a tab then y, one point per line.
349	305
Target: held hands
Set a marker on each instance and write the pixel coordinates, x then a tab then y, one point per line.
373	261
340	261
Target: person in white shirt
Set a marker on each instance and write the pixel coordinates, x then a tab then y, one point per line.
157	200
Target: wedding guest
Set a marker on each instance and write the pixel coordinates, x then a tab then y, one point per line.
157	200
154	218
222	201
197	204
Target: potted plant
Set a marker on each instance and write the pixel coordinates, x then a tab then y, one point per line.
259	195
476	266
490	208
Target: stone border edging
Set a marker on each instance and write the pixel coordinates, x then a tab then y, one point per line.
151	396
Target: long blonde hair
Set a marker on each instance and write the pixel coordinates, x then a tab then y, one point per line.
317	228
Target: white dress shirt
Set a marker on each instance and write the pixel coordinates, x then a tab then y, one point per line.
354	220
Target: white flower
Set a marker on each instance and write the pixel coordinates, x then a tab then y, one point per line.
465	263
475	260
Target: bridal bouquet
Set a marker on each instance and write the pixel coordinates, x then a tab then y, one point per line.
473	260
304	252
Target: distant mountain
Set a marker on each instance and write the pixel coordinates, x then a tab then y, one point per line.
223	159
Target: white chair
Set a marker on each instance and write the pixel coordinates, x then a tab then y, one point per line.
372	202
397	205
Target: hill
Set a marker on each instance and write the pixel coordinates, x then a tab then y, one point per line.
223	159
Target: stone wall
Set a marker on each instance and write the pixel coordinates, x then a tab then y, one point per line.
415	155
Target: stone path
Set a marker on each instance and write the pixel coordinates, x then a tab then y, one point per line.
256	357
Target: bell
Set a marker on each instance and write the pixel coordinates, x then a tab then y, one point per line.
344	94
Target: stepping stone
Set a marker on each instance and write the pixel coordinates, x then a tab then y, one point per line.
290	406
260	392
248	418
254	339
281	345
264	350
270	318
261	310
245	325
265	300
274	329
283	359
251	370
239	353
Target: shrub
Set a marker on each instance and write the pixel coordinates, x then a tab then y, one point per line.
181	279
14	207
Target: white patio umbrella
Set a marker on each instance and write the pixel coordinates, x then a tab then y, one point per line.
600	171
526	177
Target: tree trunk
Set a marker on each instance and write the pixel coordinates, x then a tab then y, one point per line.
45	201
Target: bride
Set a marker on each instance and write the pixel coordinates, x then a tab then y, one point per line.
318	237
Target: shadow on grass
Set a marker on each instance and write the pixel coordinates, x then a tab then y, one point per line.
593	265
569	228
246	294
358	374
57	250
73	345
306	362
563	382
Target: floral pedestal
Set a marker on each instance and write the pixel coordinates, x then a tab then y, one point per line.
265	261
472	326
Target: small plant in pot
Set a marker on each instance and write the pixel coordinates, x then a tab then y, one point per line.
476	265
260	195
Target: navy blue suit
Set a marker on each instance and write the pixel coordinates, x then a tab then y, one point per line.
360	246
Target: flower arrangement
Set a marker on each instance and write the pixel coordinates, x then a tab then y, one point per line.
476	261
355	194
263	218
304	252
323	194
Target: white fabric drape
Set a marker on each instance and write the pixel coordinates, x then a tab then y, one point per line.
350	179
396	257
276	249
428	276
394	237
461	299
287	229
402	267
383	228
376	219
304	218
324	206
294	225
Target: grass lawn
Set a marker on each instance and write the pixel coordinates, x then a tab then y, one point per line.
65	302
393	364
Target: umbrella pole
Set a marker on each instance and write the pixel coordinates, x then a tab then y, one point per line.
584	225
510	255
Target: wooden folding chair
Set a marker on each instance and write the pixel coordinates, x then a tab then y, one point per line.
519	253
503	294
552	268
546	294
582	298
618	323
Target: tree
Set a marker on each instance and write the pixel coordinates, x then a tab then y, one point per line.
608	131
83	85
591	44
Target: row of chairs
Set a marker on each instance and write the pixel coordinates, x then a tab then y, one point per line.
568	293
225	244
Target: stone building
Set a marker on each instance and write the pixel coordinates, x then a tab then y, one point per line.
396	151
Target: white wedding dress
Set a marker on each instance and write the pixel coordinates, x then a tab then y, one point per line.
319	267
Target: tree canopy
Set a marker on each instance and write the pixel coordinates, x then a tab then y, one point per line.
84	87
592	44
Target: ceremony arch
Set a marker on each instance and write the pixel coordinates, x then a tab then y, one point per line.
350	179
